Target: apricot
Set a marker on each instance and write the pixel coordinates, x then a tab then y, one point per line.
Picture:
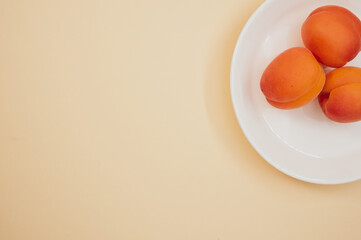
333	34
340	98
293	79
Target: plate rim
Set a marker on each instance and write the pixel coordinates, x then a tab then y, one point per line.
241	121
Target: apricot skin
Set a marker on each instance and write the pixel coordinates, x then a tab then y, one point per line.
333	35
293	79
340	98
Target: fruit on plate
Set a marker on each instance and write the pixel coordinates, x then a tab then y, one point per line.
293	79
340	98
333	34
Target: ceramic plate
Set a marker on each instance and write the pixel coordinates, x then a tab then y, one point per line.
302	143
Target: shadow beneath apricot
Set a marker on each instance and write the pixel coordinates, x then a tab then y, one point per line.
314	111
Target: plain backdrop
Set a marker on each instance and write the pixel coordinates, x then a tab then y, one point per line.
116	123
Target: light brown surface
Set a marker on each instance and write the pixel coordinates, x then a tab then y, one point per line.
116	123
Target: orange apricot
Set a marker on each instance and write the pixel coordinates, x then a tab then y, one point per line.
293	79
340	98
333	34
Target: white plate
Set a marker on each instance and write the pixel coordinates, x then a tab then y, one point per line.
302	143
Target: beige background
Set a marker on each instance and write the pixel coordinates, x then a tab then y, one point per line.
116	123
